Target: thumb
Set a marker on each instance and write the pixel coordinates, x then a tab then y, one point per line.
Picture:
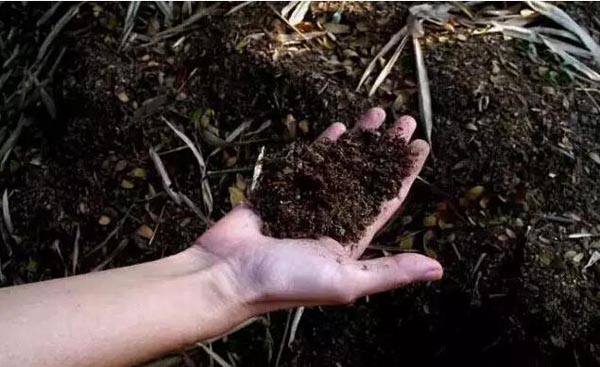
385	273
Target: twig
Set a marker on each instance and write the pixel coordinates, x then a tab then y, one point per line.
111	234
229	170
478	264
193	206
295	323
6	213
62	22
206	193
166	181
456	251
215	356
589	95
49	13
124	242
288	23
238	7
75	260
283	338
162	212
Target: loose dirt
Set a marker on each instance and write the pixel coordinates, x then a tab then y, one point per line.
330	189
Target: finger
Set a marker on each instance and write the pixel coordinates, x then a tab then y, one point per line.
385	273
420	150
403	128
333	132
371	120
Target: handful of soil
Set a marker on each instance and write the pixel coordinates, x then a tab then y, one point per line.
330	189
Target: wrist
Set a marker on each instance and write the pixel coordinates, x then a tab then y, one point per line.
214	292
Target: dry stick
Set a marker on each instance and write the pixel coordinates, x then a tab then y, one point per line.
238	7
285	332
215	356
424	92
288	23
206	193
6	239
166	181
111	234
387	69
62	22
75	260
388	46
295	323
124	242
6	213
48	14
132	10
229	170
185	26
162	212
193	206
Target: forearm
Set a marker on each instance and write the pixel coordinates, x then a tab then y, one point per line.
119	317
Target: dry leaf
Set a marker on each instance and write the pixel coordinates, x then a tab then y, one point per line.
138	173
236	196
126	184
304	126
123	97
145	232
104	220
430	221
474	192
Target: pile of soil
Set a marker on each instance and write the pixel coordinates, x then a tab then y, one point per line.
330	189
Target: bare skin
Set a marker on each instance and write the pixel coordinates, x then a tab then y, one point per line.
126	316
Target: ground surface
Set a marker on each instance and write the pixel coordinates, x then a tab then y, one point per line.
510	180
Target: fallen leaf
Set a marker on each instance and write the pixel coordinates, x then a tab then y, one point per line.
474	192
406	243
123	97
304	126
104	220
236	196
145	232
430	221
138	173
126	184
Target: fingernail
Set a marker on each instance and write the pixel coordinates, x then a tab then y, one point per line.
434	273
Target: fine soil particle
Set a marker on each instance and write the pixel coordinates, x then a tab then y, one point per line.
330	189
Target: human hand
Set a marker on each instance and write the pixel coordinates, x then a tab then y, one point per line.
280	273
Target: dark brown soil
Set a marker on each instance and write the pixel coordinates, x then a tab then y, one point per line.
330	189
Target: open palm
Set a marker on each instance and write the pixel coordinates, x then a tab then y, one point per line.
299	272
